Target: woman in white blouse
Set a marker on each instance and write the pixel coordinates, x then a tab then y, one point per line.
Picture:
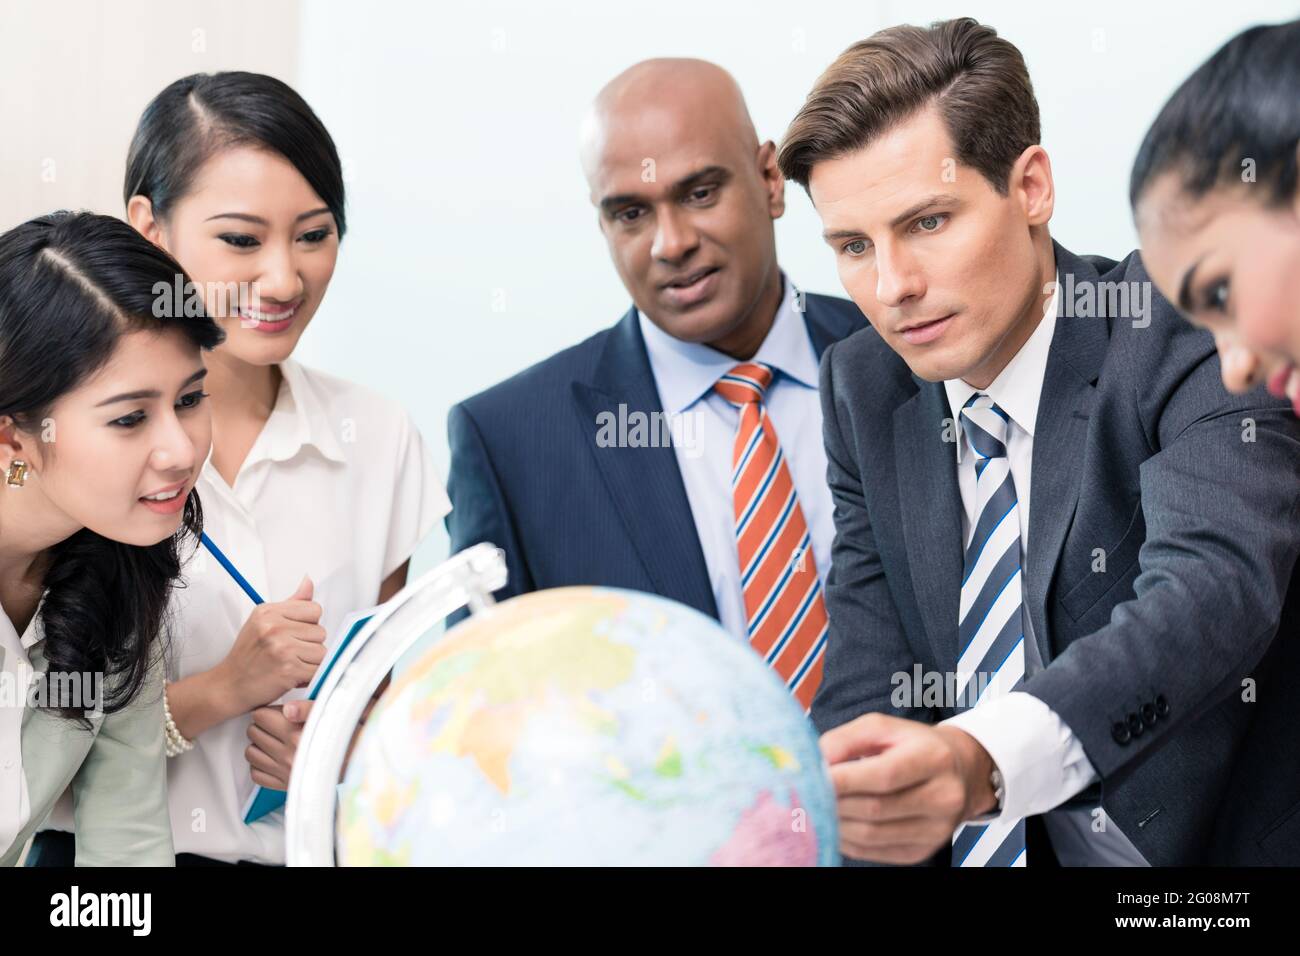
103	431
318	490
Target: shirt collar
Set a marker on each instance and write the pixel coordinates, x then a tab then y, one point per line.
686	371
32	635
35	632
1019	385
299	418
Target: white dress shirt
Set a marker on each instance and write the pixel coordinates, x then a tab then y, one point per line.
338	486
685	373
1043	764
16	673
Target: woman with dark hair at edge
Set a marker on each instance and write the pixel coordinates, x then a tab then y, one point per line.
1216	199
103	430
317	489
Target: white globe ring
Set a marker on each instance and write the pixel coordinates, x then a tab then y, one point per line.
466	579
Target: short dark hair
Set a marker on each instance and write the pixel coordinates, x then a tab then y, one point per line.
199	114
977	79
1243	103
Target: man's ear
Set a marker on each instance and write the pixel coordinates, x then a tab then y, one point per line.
1031	183
139	213
773	181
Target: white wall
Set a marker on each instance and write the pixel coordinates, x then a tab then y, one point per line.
76	74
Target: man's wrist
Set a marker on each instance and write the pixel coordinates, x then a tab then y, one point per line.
976	767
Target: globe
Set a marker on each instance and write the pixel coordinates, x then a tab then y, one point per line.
587	726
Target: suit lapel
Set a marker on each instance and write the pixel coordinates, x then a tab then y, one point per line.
930	505
645	483
827	325
1074	363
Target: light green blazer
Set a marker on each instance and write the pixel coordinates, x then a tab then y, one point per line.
118	773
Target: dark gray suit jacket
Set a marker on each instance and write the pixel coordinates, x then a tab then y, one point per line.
1138	450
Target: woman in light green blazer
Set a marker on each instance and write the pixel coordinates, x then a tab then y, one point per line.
103	432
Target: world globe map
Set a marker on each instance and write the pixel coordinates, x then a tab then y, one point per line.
587	726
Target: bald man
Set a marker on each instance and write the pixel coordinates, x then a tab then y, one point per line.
680	451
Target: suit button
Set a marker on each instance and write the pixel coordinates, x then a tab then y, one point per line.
1149	715
1120	732
1135	725
1162	706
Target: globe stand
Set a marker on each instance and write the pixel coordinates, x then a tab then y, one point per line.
465	580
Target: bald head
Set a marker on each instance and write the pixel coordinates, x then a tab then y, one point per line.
672	93
687	197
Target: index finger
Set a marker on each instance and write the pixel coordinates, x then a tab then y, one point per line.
898	768
271	720
861	737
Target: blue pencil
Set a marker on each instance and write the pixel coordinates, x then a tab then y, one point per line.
230	568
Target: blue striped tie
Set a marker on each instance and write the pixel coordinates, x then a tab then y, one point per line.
991	661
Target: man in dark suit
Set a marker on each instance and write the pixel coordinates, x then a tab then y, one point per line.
678	452
1061	596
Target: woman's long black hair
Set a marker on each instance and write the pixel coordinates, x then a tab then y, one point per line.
1242	104
71	285
198	115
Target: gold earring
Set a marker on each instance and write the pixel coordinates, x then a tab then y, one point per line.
17	475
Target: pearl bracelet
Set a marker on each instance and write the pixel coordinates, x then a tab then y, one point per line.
175	743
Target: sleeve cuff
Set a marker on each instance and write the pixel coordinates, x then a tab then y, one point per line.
1042	762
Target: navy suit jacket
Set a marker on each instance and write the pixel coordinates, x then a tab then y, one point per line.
527	474
1175	662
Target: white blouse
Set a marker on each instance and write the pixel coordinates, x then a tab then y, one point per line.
338	486
15	675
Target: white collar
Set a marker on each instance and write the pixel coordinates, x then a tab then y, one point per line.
1019	385
33	634
299	418
686	371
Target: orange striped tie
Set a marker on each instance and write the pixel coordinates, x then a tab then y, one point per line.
778	574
